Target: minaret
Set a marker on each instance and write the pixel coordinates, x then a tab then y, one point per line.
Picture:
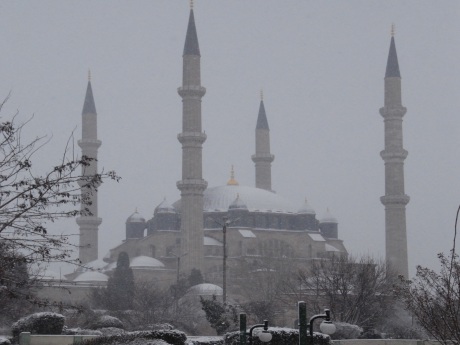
395	200
89	221
263	158
192	184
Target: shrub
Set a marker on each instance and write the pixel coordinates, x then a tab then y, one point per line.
171	337
107	321
206	341
346	331
39	323
281	336
4	341
109	331
80	331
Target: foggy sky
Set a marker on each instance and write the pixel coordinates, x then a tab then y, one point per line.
321	65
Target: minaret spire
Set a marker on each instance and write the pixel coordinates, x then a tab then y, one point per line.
192	138
89	221
263	158
395	199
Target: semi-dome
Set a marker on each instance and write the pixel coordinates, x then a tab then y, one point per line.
209	241
306	208
328	218
220	198
145	262
164	207
238	204
91	276
48	275
205	289
135	218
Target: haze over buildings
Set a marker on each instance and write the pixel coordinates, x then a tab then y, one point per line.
321	67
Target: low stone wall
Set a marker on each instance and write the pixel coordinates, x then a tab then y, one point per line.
384	342
25	338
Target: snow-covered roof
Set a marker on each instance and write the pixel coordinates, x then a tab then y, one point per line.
145	262
93	265
209	241
317	237
135	218
331	248
91	276
256	199
50	275
205	290
247	233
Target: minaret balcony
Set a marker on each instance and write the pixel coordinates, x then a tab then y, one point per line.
263	157
393	113
192	186
191	138
191	91
395	200
394	156
89	143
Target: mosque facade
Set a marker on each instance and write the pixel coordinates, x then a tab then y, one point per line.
188	234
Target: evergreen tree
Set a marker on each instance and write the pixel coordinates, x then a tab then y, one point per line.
120	287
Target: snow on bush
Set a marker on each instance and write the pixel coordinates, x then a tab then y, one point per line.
346	331
4	341
106	321
141	337
206	341
39	323
280	336
109	331
80	331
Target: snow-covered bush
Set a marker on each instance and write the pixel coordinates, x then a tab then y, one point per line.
107	321
109	331
346	331
4	341
206	341
39	323
80	331
280	336
170	337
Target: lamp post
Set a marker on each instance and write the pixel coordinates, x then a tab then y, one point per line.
326	327
224	264
177	274
264	336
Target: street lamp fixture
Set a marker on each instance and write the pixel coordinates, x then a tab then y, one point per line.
326	327
264	336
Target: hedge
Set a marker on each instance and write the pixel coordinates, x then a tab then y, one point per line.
171	337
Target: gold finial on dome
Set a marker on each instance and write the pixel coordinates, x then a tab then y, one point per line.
232	181
393	30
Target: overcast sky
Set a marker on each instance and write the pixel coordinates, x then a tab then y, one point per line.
321	65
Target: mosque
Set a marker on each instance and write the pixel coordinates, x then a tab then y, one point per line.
232	221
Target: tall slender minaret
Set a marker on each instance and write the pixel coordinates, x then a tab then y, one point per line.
89	221
263	158
192	138
395	200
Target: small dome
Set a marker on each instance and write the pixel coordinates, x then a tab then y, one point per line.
205	290
145	262
306	208
238	204
328	218
164	207
48	275
93	265
91	277
135	218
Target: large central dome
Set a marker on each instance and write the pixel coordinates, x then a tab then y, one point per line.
256	199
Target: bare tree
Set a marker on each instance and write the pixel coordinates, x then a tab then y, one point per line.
434	297
358	291
30	200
